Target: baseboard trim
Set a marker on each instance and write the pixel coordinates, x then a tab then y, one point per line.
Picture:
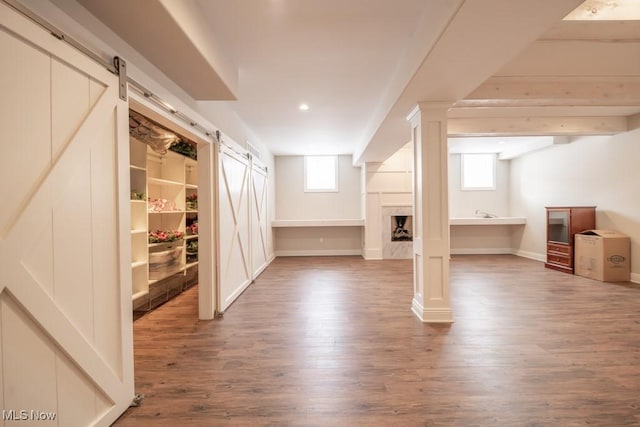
531	255
321	252
481	251
264	266
372	254
431	315
635	277
234	296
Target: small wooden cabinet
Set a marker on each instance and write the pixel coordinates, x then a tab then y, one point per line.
562	224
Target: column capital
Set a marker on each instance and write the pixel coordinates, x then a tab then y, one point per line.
428	105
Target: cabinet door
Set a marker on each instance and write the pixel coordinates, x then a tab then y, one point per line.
558	226
65	281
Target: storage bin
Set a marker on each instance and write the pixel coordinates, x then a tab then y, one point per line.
163	263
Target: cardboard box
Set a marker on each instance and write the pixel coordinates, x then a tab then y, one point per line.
603	255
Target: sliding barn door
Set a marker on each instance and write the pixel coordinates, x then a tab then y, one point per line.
65	297
259	251
234	230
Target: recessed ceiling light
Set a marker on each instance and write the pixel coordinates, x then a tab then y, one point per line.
304	107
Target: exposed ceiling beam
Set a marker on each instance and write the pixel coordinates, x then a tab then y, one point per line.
545	111
532	126
555	91
572	58
594	30
633	122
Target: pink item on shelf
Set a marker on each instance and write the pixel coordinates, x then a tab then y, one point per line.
193	228
161	205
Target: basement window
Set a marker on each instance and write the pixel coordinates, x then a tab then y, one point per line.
478	172
321	174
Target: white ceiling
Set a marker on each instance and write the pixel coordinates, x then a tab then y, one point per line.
509	67
336	56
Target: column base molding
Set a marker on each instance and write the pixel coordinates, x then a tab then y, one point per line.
431	315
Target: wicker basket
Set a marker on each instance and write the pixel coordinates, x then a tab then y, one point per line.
163	263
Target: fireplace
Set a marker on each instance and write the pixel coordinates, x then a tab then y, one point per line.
401	228
397	232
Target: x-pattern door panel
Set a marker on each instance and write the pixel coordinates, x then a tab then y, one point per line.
234	230
259	248
65	322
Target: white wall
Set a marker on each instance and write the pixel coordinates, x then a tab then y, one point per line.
463	204
479	239
292	203
600	171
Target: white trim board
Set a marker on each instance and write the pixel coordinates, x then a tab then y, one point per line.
531	255
372	254
321	252
482	251
317	223
264	267
507	220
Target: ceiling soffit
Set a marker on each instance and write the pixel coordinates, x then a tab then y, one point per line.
173	36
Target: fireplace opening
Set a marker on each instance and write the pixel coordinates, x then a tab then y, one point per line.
401	228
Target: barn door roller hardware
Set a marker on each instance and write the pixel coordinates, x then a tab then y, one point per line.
121	67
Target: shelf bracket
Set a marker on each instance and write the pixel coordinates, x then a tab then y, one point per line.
121	68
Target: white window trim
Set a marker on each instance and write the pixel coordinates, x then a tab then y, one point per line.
494	177
336	189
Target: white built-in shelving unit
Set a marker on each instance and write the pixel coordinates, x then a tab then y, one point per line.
161	270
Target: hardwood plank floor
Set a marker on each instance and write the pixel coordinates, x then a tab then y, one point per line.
331	341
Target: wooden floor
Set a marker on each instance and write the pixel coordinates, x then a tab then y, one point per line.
332	342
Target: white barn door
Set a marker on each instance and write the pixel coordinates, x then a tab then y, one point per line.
234	230
65	286
259	224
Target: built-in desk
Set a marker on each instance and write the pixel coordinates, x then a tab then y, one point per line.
313	237
475	235
507	220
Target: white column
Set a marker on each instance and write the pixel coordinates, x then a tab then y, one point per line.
431	213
